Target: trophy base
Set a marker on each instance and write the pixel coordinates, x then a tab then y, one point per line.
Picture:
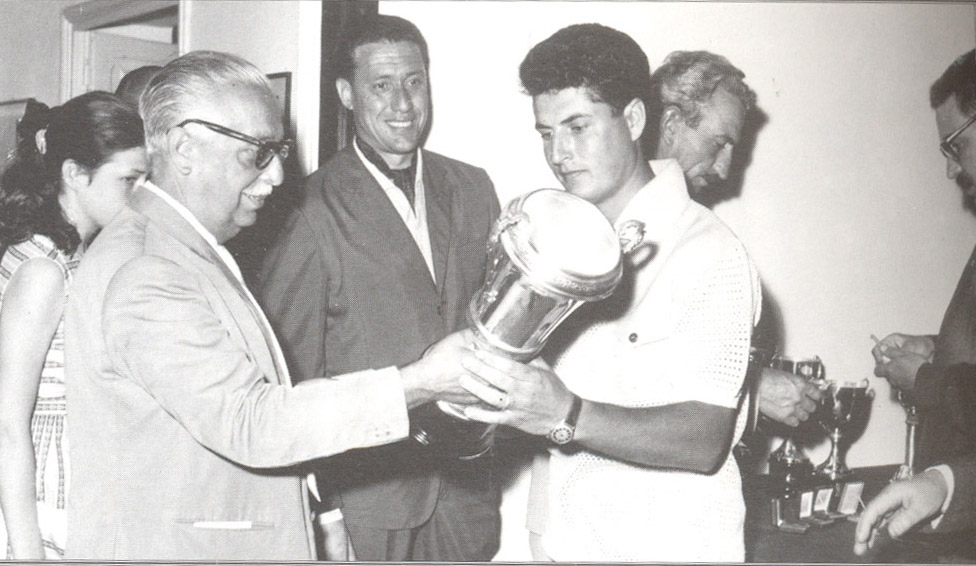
449	434
834	471
789	467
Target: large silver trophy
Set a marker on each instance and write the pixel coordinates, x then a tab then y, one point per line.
548	253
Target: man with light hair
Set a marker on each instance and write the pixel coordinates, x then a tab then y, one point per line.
701	101
187	433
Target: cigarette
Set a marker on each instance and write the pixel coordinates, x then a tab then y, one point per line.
884	357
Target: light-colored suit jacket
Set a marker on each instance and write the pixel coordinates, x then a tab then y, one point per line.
185	429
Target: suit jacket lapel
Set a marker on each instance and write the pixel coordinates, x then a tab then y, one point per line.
166	217
367	203
437	189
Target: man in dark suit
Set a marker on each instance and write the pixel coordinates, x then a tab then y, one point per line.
936	372
939	372
379	262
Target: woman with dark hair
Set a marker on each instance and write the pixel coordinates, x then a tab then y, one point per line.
72	171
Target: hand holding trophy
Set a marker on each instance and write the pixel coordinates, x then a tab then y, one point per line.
548	253
788	464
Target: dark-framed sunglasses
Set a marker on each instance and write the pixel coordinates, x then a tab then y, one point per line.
266	149
947	148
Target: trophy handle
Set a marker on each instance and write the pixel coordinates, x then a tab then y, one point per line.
503	223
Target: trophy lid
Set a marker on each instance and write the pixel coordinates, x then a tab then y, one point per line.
565	245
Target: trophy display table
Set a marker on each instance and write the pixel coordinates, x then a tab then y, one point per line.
832	543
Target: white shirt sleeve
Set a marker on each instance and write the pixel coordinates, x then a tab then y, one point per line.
950	480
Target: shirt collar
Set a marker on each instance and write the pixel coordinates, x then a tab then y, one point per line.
385	181
374	158
660	202
184	212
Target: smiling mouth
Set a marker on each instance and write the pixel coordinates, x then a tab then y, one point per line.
400	124
258	200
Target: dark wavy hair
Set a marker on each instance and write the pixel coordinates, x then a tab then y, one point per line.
605	61
87	129
959	79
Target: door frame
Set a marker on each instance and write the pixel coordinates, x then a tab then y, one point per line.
77	22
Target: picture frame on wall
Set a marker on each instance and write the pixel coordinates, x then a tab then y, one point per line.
11	111
281	86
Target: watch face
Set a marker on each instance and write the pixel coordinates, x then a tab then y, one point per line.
562	434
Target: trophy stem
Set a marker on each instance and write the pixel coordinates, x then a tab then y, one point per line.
907	470
834	467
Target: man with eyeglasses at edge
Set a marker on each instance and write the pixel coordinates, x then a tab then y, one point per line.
936	373
186	429
939	372
378	262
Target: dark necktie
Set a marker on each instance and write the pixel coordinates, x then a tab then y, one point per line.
402	178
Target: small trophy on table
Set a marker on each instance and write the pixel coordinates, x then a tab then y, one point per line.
841	402
907	470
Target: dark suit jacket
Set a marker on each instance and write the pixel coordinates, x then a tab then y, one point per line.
182	421
945	390
961	514
346	288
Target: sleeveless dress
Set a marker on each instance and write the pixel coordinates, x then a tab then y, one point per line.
50	410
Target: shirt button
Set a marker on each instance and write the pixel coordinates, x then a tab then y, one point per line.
632	337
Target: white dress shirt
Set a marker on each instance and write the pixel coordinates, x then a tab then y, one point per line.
414	217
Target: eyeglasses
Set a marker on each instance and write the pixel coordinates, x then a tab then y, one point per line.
948	149
266	149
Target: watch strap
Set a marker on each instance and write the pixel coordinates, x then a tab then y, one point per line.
574	411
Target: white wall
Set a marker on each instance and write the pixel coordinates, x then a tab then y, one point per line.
277	36
845	207
30	49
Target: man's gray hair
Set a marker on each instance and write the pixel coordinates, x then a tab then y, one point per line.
187	82
688	79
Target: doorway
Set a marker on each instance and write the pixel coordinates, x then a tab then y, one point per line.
103	40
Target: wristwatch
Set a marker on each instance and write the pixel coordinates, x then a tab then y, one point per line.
563	432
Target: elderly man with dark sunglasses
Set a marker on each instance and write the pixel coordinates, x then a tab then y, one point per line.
937	372
187	432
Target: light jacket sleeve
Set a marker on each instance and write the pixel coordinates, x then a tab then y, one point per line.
163	333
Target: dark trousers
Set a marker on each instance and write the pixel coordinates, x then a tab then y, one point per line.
464	527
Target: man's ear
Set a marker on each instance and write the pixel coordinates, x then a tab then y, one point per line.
74	175
670	120
181	147
636	115
344	88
